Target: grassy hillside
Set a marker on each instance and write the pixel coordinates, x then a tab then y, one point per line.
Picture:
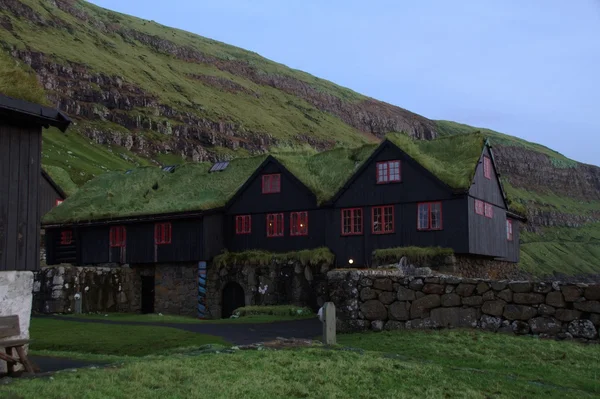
143	94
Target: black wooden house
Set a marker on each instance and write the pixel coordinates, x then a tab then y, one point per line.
21	126
441	193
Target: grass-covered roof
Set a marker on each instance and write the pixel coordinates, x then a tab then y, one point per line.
452	159
151	191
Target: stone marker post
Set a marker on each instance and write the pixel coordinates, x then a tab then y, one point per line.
329	323
78	303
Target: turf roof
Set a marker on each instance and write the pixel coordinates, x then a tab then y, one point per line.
151	191
452	159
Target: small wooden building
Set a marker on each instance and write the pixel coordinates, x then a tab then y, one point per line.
21	126
51	194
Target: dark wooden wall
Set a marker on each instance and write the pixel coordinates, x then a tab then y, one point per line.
487	190
258	239
294	197
513	248
48	196
487	236
20	171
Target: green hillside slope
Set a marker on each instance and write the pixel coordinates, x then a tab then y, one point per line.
143	94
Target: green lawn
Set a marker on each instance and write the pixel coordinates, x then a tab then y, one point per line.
402	364
111	339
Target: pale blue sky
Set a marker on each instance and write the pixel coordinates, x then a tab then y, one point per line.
527	68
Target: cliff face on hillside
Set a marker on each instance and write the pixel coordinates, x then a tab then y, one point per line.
161	94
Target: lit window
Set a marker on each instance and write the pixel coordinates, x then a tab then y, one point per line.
487	167
66	237
299	224
429	216
383	219
275	225
162	233
351	221
118	236
509	230
388	172
271	184
489	210
243	224
479	207
59	201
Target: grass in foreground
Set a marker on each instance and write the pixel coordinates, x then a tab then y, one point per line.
328	374
111	339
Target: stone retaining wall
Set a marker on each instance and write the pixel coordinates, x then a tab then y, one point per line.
380	299
276	283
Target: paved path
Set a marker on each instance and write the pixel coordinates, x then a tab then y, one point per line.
50	363
236	333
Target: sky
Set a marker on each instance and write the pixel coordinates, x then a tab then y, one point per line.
527	68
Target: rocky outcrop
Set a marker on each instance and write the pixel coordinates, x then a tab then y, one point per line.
544	309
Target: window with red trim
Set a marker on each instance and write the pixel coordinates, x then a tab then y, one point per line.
352	221
118	236
66	237
299	223
429	216
382	220
388	172
162	233
489	210
509	230
487	167
275	225
243	224
271	183
479	207
59	201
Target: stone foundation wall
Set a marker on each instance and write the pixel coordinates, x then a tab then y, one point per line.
277	283
102	289
379	299
176	289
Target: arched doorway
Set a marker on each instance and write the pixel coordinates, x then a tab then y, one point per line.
233	298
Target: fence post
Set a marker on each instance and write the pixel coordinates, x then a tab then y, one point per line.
329	330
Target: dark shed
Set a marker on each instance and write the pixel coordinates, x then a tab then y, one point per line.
51	194
21	126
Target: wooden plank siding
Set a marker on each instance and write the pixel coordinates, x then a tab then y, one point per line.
487	236
293	197
48	196
485	189
417	185
20	171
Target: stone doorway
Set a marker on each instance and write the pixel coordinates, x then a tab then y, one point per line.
147	294
233	298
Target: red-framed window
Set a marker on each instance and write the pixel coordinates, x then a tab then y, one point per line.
352	221
382	219
479	207
299	223
243	224
58	201
118	236
66	237
509	230
429	216
489	210
487	167
271	183
388	172
162	233
275	225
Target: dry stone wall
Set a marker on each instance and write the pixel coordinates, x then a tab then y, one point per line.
388	300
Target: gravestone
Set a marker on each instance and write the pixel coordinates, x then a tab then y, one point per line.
329	321
78	303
